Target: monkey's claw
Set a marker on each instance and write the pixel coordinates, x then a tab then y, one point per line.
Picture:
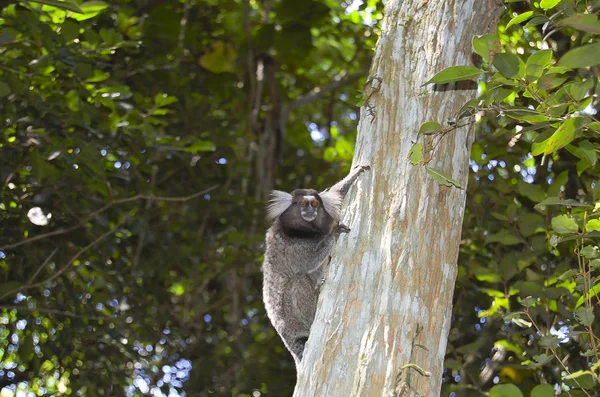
363	167
341	228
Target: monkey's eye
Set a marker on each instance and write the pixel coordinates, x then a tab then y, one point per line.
315	204
304	203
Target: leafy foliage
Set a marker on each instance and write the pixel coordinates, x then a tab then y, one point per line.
530	256
138	140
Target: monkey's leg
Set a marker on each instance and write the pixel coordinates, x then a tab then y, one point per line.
299	308
343	186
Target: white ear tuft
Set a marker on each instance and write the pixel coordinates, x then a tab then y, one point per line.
332	201
278	202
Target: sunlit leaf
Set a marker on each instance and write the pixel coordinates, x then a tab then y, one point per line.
486	45
593	292
593	225
90	9
564	224
519	19
561	137
220	59
536	63
65	5
430	127
455	73
442	179
416	153
548	4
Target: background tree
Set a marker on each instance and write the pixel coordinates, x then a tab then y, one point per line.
138	142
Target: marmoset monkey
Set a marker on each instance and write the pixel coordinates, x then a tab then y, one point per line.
306	224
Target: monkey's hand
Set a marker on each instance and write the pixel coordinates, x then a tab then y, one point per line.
341	228
363	167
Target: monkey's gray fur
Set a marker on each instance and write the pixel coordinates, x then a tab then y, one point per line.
306	225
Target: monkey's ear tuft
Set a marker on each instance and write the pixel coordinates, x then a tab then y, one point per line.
332	202
278	202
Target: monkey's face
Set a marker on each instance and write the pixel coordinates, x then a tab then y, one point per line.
309	207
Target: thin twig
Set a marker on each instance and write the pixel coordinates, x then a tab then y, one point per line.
104	208
55	311
319	92
42	266
67	266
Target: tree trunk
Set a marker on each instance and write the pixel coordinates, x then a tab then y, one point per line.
384	311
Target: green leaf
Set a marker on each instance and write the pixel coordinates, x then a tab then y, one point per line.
540	360
344	148
530	222
585	315
26	349
550	81
548	4
549	341
430	127
503	237
416	153
583	379
4	89
443	179
565	203
177	289
585	150
220	59
561	137
90	9
519	19
65	5
584	22
533	192
455	73
564	224
579	90
536	63
508	390
528	115
543	391
201	146
595	290
588	252
486	46
592	226
330	154
161	100
581	57
508	64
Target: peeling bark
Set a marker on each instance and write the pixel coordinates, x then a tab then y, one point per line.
384	312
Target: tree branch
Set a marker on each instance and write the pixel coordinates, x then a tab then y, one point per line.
104	208
55	311
319	92
67	266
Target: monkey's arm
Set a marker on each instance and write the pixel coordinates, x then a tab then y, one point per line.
343	186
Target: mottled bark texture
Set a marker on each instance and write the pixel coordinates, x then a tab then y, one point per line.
386	304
